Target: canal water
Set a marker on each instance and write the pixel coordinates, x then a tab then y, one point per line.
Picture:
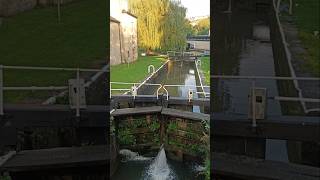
243	48
154	167
184	77
181	76
174	73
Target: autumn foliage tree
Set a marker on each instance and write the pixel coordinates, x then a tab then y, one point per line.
202	27
162	24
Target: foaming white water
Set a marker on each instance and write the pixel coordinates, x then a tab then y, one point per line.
132	156
159	169
198	168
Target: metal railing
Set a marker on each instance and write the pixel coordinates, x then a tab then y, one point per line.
276	9
183	54
198	63
44	88
134	86
164	87
253	79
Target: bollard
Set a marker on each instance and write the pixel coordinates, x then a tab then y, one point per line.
134	91
78	94
149	69
190	95
253	99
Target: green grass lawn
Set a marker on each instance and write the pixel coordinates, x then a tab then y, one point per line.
307	19
35	38
134	72
205	66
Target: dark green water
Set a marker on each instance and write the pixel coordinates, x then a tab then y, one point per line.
174	73
181	76
243	48
139	169
136	170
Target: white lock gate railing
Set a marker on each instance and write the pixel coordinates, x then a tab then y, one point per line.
47	88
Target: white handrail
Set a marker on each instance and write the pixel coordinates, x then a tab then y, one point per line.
77	70
158	91
265	77
167	93
300	99
184	85
282	98
149	69
34	88
288	56
54	69
129	83
198	62
149	77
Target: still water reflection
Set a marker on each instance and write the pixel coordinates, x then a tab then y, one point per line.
182	73
243	48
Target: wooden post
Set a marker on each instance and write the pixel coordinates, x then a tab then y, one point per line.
162	129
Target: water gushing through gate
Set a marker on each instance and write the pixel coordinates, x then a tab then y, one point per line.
159	169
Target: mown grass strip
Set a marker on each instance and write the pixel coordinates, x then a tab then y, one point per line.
35	38
205	66
135	71
307	18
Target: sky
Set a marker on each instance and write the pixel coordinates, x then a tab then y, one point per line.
196	7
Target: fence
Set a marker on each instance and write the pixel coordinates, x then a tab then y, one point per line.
279	98
164	87
47	88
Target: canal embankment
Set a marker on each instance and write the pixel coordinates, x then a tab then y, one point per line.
249	43
302	42
135	72
177	78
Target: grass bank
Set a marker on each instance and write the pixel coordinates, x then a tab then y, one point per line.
306	17
135	71
205	66
35	38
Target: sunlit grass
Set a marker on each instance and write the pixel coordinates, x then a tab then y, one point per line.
35	38
135	71
205	66
306	16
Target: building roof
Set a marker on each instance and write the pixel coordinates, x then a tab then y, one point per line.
112	19
129	13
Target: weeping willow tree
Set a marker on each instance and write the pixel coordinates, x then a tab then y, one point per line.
175	27
161	24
